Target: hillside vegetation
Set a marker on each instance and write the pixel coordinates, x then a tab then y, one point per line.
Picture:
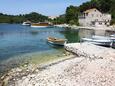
70	16
72	12
34	17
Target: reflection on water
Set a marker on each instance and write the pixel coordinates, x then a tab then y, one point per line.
86	33
34	32
89	33
71	35
17	40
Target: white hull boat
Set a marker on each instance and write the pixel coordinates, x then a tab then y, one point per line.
39	26
26	24
98	40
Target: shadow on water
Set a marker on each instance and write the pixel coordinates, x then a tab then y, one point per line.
16	40
71	35
88	33
34	32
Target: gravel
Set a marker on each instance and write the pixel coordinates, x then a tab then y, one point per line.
94	66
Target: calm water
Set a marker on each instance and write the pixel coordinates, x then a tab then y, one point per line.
17	40
19	43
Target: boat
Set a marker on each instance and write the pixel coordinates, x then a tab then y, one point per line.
101	37
99	40
41	25
27	23
56	41
113	35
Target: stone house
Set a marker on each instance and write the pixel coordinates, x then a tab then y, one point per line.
94	17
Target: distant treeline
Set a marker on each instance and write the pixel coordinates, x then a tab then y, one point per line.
72	12
70	16
33	17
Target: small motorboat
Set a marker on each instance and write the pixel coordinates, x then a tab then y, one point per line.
27	23
113	35
101	37
98	40
56	41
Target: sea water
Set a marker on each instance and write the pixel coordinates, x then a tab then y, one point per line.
20	43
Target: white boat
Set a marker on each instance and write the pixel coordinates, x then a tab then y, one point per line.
26	23
99	40
113	35
101	37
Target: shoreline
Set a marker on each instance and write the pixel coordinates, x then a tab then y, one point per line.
31	67
86	68
71	70
103	28
33	58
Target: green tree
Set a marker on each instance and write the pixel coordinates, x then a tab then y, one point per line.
59	20
71	14
34	17
105	5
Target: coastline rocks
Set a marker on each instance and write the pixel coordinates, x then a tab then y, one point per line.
78	71
93	66
90	51
54	75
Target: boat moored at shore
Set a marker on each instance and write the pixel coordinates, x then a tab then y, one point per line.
100	40
56	41
27	23
41	24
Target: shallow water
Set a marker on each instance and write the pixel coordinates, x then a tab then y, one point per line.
21	43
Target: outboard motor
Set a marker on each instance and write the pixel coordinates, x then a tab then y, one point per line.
112	44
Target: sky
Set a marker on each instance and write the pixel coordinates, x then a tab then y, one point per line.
45	7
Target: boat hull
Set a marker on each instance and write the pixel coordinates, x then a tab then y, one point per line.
100	42
26	24
58	44
39	26
106	44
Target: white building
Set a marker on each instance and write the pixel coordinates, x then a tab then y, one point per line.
53	17
94	17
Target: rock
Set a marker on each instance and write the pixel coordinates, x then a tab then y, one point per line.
90	51
88	68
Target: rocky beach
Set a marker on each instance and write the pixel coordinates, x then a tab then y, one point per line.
57	43
90	66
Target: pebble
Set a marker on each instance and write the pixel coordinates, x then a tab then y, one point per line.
86	70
